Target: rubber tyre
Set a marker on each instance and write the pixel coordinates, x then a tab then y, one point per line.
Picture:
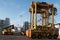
33	36
6	33
50	37
55	37
39	37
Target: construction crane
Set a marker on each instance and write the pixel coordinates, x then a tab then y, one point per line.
46	30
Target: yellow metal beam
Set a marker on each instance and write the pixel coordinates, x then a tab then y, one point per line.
52	17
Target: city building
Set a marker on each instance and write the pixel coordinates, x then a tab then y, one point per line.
25	26
4	23
7	22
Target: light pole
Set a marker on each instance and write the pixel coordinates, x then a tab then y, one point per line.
20	21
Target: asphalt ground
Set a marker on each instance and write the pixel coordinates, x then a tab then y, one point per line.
16	37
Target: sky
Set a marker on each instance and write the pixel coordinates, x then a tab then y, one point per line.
17	10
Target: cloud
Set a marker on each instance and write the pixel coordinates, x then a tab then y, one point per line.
21	25
57	6
22	14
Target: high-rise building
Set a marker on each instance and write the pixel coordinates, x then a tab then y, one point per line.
26	26
4	23
7	22
1	24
